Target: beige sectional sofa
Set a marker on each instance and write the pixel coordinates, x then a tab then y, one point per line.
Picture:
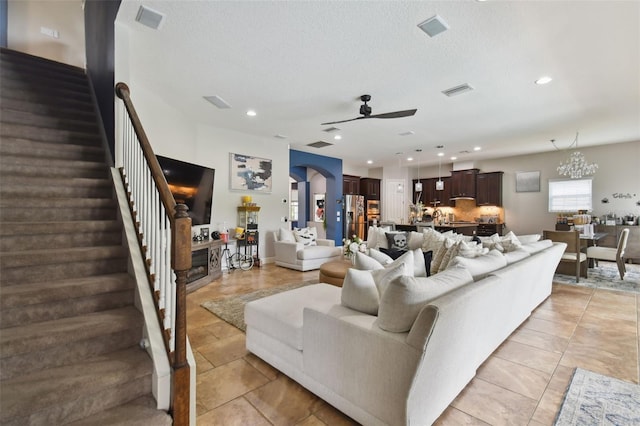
445	326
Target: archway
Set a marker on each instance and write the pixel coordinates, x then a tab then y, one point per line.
331	169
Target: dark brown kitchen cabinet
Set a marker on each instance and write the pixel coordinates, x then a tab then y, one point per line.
370	188
431	195
489	189
350	185
463	183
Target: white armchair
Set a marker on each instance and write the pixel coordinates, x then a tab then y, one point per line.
303	256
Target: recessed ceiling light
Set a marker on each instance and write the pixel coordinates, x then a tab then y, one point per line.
409	158
454	158
337	137
543	80
476	148
441	154
369	161
251	113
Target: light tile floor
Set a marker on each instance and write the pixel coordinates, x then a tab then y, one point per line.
522	383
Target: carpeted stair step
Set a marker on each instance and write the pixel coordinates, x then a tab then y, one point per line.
141	412
47	265
72	306
20	165
57	291
31	187
57	210
22	236
19	147
82	124
73	111
51	135
69	393
32	347
36	63
43	95
19	76
13	99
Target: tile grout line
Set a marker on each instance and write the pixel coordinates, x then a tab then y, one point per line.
563	352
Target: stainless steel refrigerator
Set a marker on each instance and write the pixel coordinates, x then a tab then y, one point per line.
354	217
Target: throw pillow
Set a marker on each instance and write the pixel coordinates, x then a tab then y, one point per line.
405	297
432	240
397	240
384	277
420	267
528	239
416	240
428	256
381	257
440	253
381	238
393	254
366	263
449	255
286	235
359	292
471	249
372	237
306	236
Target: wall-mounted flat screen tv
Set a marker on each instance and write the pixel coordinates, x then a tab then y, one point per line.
192	185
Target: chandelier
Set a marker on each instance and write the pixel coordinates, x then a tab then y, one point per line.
576	166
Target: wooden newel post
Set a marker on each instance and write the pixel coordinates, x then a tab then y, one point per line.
181	263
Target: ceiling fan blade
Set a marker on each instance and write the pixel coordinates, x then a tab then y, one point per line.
396	114
343	121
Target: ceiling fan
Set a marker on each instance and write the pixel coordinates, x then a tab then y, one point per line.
365	110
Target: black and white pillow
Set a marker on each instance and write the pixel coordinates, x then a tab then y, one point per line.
306	236
397	240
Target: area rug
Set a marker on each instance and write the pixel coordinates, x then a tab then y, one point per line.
231	309
594	399
606	275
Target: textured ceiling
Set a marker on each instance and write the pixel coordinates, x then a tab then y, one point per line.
299	64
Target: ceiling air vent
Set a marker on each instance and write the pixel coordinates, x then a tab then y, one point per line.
433	26
149	17
331	129
319	144
218	101
458	90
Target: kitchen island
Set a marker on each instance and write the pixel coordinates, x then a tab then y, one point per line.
464	228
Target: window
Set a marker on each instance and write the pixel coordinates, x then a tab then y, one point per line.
570	195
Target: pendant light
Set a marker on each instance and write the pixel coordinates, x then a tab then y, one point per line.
440	183
418	185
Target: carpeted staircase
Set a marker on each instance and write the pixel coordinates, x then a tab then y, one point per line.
69	332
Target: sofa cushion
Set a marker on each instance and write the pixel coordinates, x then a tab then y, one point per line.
317	252
280	316
416	239
537	246
405	296
286	235
481	266
361	289
516	255
393	253
306	236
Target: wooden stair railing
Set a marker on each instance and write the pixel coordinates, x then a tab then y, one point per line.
164	234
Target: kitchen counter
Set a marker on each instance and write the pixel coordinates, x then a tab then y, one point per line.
464	228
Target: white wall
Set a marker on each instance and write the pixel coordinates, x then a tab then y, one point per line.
25	17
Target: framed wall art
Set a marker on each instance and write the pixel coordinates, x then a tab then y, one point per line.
528	181
247	173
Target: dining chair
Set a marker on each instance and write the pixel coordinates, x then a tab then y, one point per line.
613	254
572	254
